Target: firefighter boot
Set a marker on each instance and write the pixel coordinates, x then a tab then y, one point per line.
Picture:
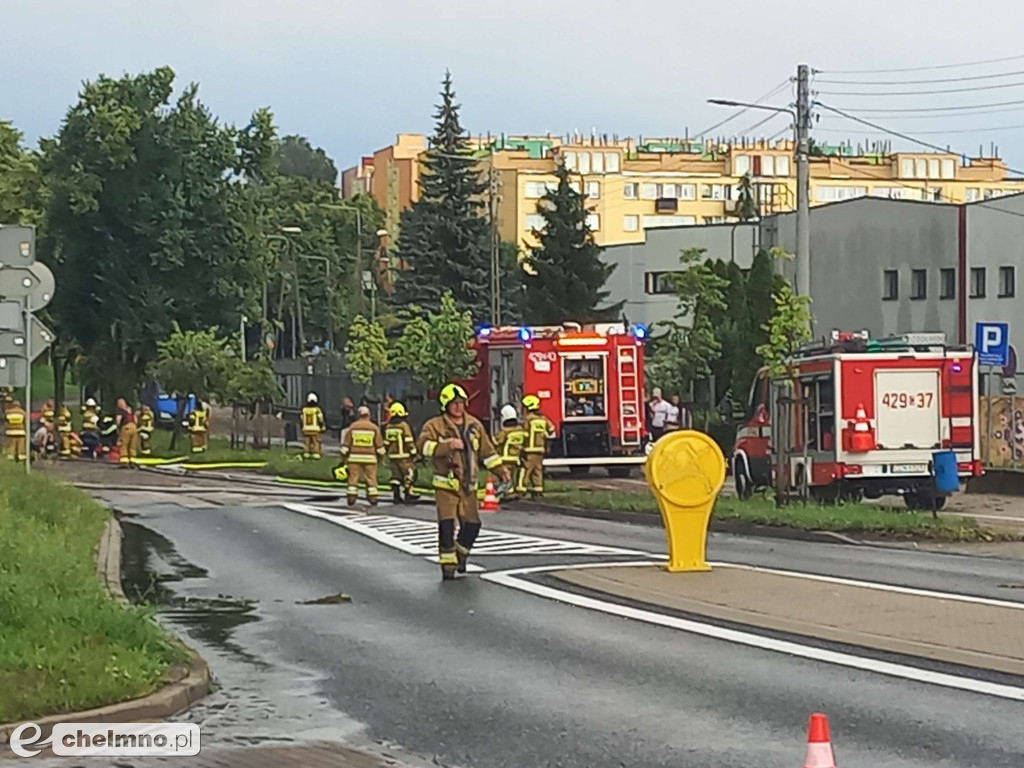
396	491
446	549
467	537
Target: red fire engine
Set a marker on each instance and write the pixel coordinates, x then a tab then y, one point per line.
589	380
864	419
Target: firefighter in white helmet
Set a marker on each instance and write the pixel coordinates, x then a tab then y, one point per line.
509	441
312	428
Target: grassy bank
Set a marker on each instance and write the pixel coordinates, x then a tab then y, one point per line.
65	644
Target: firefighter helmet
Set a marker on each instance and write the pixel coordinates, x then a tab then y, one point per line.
90	403
398	410
450	393
531	402
508	413
311	397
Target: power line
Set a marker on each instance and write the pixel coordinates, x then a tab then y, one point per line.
919	69
971	89
958	108
781	86
954	116
936	133
929	81
759	123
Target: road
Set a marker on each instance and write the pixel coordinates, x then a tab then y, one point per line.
476	675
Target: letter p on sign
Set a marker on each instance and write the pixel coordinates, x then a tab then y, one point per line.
992	343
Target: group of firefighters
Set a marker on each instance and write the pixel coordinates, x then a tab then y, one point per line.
130	433
455	445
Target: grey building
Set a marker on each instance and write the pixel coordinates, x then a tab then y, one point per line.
888	266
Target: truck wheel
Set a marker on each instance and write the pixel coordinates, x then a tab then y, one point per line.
930	501
912	500
620	472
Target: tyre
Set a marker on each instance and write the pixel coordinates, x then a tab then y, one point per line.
620	472
930	502
912	500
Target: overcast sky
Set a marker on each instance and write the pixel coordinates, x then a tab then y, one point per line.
350	75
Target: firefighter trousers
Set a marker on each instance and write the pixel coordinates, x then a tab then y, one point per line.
128	443
531	473
64	438
15	446
146	441
367	472
403	473
199	440
311	445
455	506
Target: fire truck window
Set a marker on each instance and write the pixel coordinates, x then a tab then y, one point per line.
584	387
827	413
810	398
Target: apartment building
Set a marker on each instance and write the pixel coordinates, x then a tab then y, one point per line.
635	185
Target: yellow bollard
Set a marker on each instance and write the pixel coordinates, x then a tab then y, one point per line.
685	471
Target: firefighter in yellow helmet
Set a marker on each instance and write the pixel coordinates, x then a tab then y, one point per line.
401	445
312	428
509	441
456	443
146	428
199	426
47	415
539	430
15	426
64	431
361	449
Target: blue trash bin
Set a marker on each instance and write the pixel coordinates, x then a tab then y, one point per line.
944	470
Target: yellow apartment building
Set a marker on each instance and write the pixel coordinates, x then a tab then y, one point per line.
635	185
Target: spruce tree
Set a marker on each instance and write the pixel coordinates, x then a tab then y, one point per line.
566	274
445	236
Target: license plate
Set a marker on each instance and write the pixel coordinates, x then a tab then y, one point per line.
907	469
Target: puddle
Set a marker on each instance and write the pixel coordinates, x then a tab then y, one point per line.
149	563
337	599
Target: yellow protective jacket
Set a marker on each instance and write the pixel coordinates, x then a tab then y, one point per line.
457	470
400	441
509	442
15	418
64	419
539	429
199	419
312	420
363	443
146	419
90	419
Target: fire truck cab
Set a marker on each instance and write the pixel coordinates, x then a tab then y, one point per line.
863	418
589	380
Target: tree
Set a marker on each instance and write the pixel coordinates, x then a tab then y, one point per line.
788	329
295	156
444	236
685	351
20	183
435	347
255	385
746	200
367	350
566	273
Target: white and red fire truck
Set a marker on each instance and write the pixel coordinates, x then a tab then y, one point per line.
590	383
864	418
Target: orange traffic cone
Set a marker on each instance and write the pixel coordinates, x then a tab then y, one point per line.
819	743
490	502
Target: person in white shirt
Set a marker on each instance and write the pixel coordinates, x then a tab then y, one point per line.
673	416
660	410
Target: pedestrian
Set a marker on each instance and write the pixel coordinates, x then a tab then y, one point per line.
539	432
127	434
673	414
509	442
44	441
312	428
659	413
401	446
457	443
362	448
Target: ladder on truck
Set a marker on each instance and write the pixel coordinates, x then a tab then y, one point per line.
630	421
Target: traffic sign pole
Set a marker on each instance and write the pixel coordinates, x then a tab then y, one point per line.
28	387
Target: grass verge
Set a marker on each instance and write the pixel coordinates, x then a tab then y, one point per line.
65	644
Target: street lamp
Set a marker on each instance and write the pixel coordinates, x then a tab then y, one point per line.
330	293
803	205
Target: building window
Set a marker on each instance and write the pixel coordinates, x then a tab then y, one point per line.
584	164
977	282
597	162
715	191
768	165
782	165
948	169
741	165
630	223
593	188
535	221
918	284
611	162
687	191
629	190
907	168
654	222
890	285
648	191
973	193
947	283
668	190
659	282
921	168
593	222
827	194
933	168
535	189
935	194
570	160
1007	282
575	186
714	219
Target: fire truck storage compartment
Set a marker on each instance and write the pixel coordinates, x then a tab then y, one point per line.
506	369
907	408
584	406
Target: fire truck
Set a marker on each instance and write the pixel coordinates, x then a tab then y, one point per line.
590	383
863	418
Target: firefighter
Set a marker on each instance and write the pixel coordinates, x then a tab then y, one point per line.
146	428
108	433
457	444
128	434
539	430
401	445
199	425
509	441
47	414
91	416
361	449
15	430
64	431
312	427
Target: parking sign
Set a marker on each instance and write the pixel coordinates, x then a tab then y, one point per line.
992	343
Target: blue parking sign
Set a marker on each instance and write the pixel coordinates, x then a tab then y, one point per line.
992	343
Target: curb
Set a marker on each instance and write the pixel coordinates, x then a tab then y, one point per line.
189	682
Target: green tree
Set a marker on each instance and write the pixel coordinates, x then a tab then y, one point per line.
789	328
295	156
689	345
566	274
435	347
367	350
746	200
20	182
254	384
444	236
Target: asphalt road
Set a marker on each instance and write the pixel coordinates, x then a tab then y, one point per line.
476	675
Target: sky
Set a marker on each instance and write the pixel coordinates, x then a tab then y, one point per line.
350	75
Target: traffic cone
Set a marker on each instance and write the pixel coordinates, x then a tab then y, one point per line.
490	502
819	743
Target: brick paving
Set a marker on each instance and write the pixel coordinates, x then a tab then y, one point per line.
971	634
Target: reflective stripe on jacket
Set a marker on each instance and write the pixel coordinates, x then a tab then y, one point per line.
363	443
539	430
401	442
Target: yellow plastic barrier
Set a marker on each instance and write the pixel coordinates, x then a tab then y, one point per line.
685	471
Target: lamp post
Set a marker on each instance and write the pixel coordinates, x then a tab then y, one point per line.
330	293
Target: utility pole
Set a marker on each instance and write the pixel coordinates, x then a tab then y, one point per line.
803	172
493	198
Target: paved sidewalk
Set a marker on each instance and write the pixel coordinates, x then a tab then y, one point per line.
973	634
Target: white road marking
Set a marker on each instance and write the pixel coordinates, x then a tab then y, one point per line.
509	579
